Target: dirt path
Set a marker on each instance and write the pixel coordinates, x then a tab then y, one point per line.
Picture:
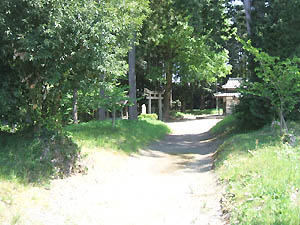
169	183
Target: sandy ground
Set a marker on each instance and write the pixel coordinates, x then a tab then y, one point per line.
168	183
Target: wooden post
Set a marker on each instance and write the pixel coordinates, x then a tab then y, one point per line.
154	95
149	104
217	105
171	99
224	106
159	107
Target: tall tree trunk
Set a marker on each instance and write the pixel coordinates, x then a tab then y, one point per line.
202	101
202	96
114	117
192	97
75	113
168	89
184	97
247	6
250	68
132	82
101	110
183	106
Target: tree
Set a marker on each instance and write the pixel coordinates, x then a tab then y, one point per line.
166	32
276	27
101	110
175	44
280	81
116	98
50	48
132	83
247	6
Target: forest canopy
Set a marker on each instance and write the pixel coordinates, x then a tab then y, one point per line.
68	61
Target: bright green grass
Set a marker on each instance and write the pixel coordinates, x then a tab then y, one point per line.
127	136
262	178
19	160
225	126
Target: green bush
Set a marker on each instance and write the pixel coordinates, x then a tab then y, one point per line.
152	116
177	115
254	112
58	151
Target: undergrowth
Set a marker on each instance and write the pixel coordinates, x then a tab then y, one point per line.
262	176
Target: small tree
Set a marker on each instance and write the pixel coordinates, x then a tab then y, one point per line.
280	81
115	99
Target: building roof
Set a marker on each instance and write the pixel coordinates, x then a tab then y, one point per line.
220	95
233	83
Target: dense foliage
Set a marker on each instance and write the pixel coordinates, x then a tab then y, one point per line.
269	66
50	47
55	56
249	115
279	82
64	60
178	48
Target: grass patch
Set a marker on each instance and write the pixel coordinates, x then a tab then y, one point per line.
197	112
28	158
225	126
152	116
128	136
178	115
194	112
262	177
